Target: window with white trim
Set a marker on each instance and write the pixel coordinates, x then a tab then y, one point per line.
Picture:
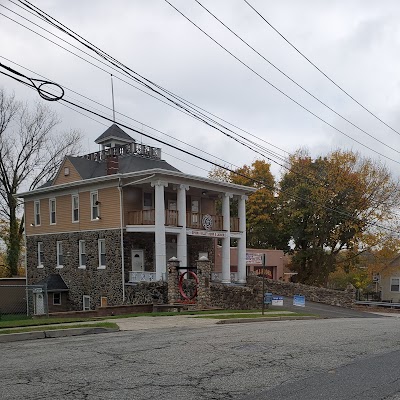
52	209
94	205
40	254
75	207
60	255
102	253
82	254
86	303
395	284
57	299
37	212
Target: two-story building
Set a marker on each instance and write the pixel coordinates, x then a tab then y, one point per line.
114	217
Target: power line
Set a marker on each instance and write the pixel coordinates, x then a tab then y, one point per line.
259	182
293	81
311	180
318	69
276	88
181	108
308	178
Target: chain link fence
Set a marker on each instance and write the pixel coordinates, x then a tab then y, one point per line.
19	301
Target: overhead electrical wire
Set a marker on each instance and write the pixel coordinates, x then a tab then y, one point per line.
294	82
279	90
167	91
257	181
264	149
182	109
319	69
110	59
311	180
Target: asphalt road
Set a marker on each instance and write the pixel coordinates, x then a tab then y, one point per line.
338	358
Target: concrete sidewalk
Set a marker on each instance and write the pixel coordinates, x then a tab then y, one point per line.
46	334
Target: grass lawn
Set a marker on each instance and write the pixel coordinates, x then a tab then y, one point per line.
55	327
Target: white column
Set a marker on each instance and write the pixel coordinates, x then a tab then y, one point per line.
159	217
226	241
181	248
242	241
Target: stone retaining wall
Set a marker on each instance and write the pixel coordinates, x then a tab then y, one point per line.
250	296
311	293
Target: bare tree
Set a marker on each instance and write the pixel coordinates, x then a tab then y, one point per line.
31	152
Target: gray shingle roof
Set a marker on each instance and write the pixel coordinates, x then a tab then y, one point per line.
114	131
54	282
131	163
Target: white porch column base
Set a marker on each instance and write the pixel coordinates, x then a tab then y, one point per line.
160	250
242	241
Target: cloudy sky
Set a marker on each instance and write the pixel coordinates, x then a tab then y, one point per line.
354	42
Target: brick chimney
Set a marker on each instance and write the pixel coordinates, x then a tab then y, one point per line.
112	164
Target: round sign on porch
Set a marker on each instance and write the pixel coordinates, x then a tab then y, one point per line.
207	222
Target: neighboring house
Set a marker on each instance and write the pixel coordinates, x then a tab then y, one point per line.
114	217
274	262
390	281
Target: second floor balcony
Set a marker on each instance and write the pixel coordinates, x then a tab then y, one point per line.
193	220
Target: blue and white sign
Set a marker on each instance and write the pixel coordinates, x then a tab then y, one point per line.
267	298
277	301
299	301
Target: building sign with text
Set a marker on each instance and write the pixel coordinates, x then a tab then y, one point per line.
254	259
213	234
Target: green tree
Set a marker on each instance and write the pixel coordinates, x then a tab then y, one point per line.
326	206
30	153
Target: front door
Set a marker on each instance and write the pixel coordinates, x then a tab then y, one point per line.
137	260
39	303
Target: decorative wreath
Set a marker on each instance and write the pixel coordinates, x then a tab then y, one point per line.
207	221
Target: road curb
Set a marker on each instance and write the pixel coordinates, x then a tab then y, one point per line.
56	333
265	319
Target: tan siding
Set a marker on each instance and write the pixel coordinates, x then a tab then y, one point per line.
109	213
29	217
72	177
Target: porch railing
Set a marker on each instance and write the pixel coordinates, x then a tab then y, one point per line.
141	276
202	221
193	220
141	217
147	217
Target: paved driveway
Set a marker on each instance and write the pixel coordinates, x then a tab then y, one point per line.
326	311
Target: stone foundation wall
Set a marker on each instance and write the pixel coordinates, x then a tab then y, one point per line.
146	293
91	281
